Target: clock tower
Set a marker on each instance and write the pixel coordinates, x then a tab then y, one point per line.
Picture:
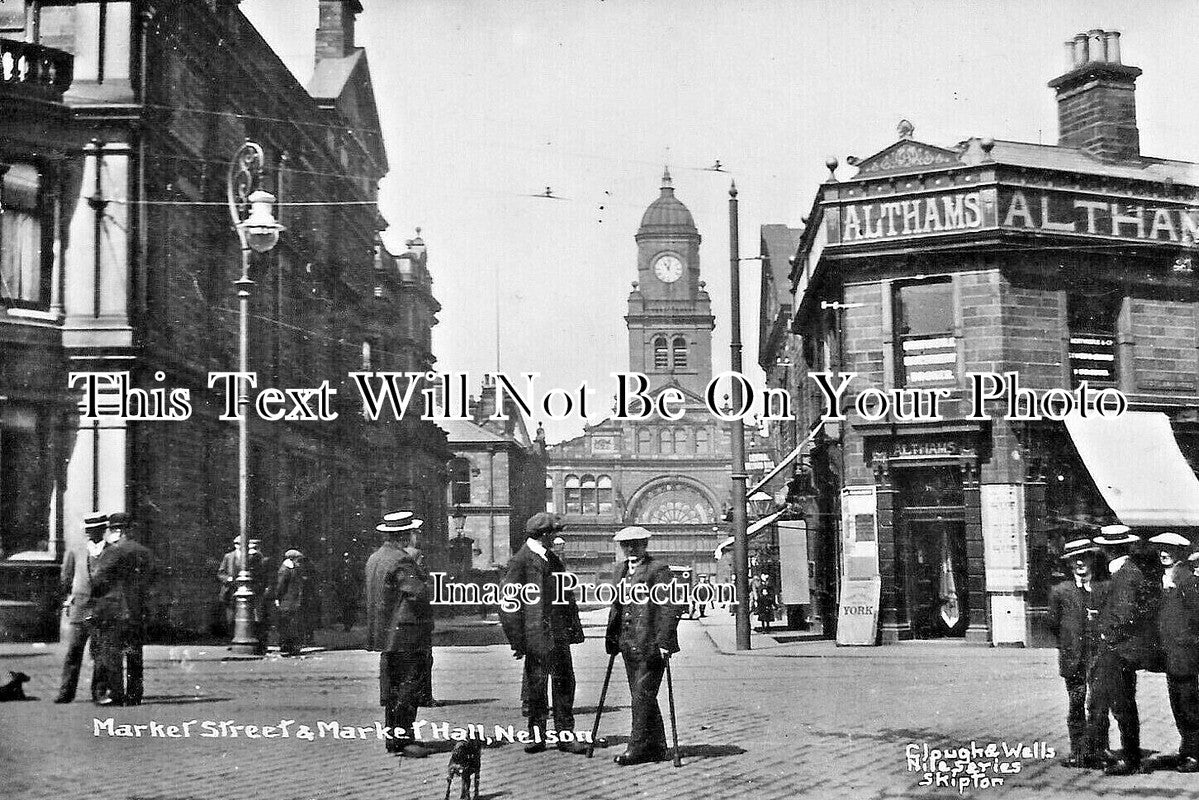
670	314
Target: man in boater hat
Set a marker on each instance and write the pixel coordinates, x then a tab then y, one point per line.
1178	631
1123	623
644	635
1073	611
400	625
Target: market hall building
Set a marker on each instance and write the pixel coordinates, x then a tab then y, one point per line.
1060	263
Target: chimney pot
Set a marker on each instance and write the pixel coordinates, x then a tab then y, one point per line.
1113	47
1080	50
1097	44
1070	61
1096	99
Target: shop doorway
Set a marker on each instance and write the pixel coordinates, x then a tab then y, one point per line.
931	538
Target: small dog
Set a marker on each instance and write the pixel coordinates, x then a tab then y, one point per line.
15	688
466	761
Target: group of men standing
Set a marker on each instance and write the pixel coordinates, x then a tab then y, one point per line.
1109	629
107	585
294	595
400	626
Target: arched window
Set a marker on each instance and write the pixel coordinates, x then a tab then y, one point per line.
460	481
679	352
605	494
701	440
661	357
680	440
666	442
573	503
549	493
590	501
645	440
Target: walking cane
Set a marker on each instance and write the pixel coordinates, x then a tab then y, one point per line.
674	726
600	708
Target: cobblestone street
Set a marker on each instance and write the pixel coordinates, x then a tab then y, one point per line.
803	719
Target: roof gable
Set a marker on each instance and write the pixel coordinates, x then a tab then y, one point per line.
906	155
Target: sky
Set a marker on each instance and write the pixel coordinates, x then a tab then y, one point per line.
487	102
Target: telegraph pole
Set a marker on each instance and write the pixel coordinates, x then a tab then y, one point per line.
740	536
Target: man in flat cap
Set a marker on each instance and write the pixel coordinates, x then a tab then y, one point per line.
75	579
541	633
1073	611
399	621
1123	624
1178	631
121	594
644	634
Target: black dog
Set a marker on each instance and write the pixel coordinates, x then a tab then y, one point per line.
15	688
466	761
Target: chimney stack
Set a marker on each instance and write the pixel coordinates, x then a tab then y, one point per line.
335	31
1096	105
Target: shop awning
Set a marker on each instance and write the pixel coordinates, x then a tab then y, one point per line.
794	454
1138	468
749	532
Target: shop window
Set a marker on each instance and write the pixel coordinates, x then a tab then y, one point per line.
25	249
549	493
927	350
679	352
1092	324
661	356
589	495
24	482
460	481
574	503
604	482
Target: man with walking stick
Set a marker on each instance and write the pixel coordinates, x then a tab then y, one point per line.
641	628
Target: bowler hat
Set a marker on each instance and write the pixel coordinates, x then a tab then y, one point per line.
631	533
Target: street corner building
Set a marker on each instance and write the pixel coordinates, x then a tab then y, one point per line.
670	476
119	255
1060	263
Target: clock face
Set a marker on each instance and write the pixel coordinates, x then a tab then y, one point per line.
668	268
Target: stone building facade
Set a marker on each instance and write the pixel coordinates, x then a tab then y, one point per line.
141	244
1059	264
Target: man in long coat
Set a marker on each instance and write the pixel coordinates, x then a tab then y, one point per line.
1073	610
75	579
400	625
120	593
644	634
542	633
294	586
1124	646
1178	631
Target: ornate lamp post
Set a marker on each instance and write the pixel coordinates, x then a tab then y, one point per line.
258	231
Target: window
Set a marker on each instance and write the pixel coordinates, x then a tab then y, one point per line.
927	350
460	481
680	440
24	250
12	20
661	357
666	442
679	352
701	440
605	494
549	494
573	503
25	489
368	361
1092	322
97	34
590	498
645	440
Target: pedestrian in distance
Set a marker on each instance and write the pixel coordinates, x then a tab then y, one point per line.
1073	619
1178	631
120	612
542	633
645	636
1124	624
75	580
400	626
293	585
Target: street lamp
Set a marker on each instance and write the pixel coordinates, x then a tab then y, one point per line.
258	232
459	518
738	474
761	502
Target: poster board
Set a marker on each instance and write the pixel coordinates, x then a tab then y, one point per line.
793	562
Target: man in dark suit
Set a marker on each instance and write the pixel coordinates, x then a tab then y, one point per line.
120	591
542	633
75	579
1124	621
1073	608
644	634
1178	631
400	625
294	586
